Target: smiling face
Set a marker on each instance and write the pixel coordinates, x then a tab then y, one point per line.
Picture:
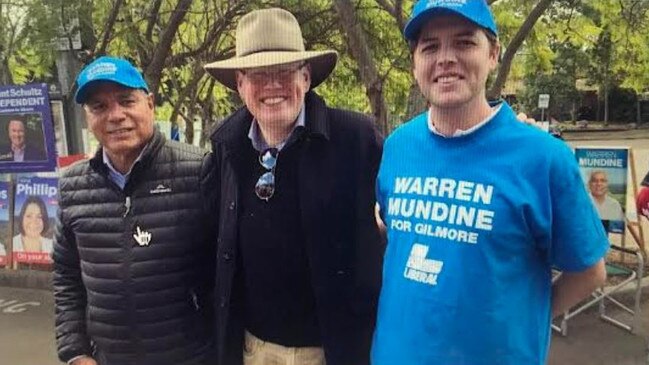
16	130
120	118
274	95
33	221
598	184
451	62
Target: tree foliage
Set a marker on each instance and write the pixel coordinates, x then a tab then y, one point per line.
26	52
597	44
549	46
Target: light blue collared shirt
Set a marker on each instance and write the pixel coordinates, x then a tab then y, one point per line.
258	141
116	176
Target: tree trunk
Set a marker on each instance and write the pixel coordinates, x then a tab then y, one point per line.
638	110
189	92
153	72
395	10
606	87
152	19
513	46
108	28
189	129
5	73
416	102
573	113
598	117
207	107
356	41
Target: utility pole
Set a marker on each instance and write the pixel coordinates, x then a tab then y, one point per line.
68	66
68	45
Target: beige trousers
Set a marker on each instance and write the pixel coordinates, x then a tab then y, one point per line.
259	352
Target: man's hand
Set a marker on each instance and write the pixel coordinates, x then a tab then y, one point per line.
642	201
84	360
527	120
379	221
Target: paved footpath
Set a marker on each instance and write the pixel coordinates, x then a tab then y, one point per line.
591	341
27	327
27	320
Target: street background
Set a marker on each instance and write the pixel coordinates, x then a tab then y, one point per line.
27	315
27	334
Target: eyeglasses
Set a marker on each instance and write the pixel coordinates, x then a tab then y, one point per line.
265	186
282	75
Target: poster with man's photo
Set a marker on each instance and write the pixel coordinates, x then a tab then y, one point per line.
27	142
35	206
604	171
4	224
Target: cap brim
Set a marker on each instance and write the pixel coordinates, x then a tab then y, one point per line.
82	93
322	64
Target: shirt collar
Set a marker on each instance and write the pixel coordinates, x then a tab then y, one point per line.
116	176
19	154
257	138
459	132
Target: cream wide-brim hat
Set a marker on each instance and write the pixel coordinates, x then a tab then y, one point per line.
271	37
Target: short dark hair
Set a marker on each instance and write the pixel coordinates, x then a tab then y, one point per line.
34	199
92	88
14	119
492	38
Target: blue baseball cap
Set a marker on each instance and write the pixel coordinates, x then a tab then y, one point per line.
112	69
476	11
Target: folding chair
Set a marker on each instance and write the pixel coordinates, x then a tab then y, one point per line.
606	295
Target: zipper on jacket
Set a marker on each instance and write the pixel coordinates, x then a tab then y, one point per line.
127	204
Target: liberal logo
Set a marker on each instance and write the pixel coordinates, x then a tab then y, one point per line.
419	268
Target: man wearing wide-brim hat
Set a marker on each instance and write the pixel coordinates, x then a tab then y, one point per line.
299	252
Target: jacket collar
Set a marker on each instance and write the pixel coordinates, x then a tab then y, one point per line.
234	129
149	152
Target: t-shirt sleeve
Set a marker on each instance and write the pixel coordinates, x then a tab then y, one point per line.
578	240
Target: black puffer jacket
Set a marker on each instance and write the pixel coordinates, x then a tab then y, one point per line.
128	302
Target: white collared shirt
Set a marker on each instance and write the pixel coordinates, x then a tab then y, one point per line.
466	132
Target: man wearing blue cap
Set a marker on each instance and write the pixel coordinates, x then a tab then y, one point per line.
132	257
475	216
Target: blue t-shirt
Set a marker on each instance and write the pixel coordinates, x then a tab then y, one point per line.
475	224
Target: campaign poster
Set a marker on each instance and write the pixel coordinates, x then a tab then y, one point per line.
4	224
27	141
35	206
604	172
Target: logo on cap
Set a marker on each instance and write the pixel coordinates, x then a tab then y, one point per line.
448	3
101	69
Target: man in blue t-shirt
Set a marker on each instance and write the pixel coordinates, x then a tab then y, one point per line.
478	208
